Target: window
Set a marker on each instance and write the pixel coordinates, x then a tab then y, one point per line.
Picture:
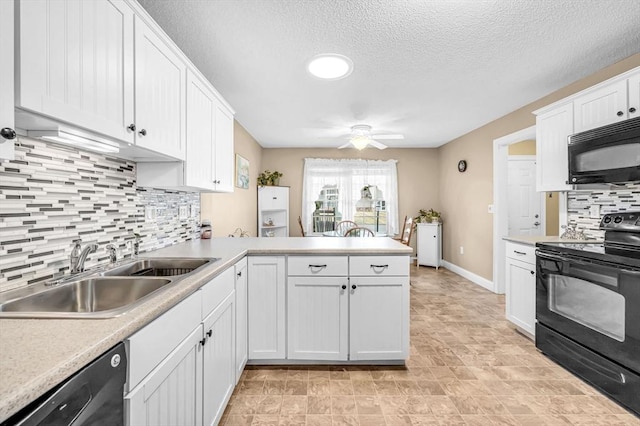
334	190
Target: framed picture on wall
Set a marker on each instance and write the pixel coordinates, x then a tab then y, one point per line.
242	172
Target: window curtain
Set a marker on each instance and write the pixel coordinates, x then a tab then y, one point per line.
350	176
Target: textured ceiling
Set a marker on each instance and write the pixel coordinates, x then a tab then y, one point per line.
432	70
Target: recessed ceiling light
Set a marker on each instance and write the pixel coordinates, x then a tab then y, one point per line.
330	66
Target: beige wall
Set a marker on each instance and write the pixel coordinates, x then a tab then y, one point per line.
417	175
523	148
464	197
240	208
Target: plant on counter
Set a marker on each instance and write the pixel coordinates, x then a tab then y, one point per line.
268	178
428	216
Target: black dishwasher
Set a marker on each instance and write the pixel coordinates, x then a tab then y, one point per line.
93	396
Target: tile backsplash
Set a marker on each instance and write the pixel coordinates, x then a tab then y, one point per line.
51	195
625	198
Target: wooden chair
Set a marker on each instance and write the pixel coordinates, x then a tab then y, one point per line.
359	232
301	227
344	226
407	231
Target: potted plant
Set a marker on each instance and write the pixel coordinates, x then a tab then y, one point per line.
268	178
428	216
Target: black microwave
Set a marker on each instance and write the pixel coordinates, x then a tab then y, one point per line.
608	154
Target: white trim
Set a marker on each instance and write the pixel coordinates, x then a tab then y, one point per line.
474	278
500	219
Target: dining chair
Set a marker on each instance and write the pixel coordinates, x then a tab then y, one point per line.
407	231
301	227
359	232
344	226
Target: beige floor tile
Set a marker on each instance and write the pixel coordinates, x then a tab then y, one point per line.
368	405
342	420
295	387
237	420
293	405
343	405
292	420
319	404
318	420
363	387
265	420
341	387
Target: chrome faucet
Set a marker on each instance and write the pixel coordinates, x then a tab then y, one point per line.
113	255
79	255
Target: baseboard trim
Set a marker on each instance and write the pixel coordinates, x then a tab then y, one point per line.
474	278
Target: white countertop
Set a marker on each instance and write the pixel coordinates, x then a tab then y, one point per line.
37	354
531	240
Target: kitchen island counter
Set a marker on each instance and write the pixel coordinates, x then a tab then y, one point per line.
37	354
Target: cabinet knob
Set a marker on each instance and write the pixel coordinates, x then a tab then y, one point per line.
632	109
533	272
202	342
209	333
142	132
131	127
8	133
239	274
620	113
344	287
354	287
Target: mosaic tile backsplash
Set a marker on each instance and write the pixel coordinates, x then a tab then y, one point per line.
625	198
51	195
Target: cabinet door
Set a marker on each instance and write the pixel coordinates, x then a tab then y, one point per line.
266	307
521	294
201	104
318	318
76	63
379	318
223	155
7	120
552	132
160	78
273	198
171	393
634	95
428	245
218	361
241	317
601	107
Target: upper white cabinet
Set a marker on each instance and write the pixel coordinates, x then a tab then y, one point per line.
76	63
553	129
634	95
160	100
223	160
7	124
600	107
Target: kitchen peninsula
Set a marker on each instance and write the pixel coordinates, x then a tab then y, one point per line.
300	275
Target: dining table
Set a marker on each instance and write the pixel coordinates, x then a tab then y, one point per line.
337	234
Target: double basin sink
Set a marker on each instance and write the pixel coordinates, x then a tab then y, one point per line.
103	294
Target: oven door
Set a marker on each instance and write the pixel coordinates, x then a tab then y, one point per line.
596	304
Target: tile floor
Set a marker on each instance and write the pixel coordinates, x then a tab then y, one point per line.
467	367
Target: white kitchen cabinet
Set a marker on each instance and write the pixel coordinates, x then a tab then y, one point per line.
75	63
600	107
273	211
242	354
223	161
553	129
634	95
429	244
521	286
218	365
266	307
7	115
318	318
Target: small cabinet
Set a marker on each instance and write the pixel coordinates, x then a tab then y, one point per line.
600	107
266	307
242	353
7	116
429	245
521	286
273	211
553	129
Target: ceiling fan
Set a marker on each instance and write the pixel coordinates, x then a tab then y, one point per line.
361	137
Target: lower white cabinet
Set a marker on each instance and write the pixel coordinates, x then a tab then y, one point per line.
266	307
521	287
429	244
242	353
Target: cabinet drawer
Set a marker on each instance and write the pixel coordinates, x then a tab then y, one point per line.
149	346
379	265
214	292
321	266
522	252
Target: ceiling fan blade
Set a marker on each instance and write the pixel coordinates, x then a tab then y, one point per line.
346	145
388	137
377	144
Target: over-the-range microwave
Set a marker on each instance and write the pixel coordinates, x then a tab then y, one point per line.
607	154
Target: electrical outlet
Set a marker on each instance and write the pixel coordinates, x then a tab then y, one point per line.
594	211
461	250
490	209
182	212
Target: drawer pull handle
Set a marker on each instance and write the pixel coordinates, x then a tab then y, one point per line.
519	252
317	266
377	267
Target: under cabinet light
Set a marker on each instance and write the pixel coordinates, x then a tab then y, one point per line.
63	137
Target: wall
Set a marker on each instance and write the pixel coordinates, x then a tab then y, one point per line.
464	197
523	148
418	182
51	195
238	209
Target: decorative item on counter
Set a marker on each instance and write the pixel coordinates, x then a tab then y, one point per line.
571	233
428	216
205	230
239	233
268	178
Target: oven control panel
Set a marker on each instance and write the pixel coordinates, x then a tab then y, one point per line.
623	221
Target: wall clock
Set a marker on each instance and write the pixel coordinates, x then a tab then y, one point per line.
462	166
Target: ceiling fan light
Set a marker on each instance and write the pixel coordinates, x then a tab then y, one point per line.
360	142
329	66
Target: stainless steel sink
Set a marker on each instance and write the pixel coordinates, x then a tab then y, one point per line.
105	294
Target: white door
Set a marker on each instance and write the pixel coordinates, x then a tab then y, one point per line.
634	95
201	104
525	205
318	318
553	129
76	63
241	317
219	376
601	107
7	115
521	294
160	78
266	307
172	393
223	152
379	318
